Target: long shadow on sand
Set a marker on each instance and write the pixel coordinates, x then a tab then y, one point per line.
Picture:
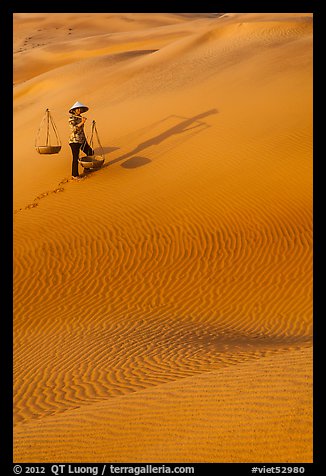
183	126
105	150
135	162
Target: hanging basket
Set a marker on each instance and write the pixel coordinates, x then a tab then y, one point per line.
48	149
93	161
43	142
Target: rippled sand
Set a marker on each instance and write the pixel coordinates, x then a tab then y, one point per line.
163	304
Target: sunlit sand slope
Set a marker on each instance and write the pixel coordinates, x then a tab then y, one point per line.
163	304
215	416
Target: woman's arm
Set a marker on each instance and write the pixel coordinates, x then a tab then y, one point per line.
76	121
84	119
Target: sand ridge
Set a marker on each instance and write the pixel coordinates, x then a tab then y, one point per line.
161	286
148	419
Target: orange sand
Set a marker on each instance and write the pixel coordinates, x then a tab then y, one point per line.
163	305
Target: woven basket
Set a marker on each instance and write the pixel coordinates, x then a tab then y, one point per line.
48	149
91	161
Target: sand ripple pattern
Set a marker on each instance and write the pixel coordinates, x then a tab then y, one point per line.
160	423
154	305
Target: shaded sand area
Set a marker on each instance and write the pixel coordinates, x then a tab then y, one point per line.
163	304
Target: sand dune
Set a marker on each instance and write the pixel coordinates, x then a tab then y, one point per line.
174	285
178	421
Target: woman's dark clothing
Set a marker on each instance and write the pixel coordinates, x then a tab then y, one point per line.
77	141
75	147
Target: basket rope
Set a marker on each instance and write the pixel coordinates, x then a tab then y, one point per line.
91	141
49	120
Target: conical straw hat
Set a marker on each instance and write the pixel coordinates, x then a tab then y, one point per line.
79	105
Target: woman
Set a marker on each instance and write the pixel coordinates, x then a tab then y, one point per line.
77	139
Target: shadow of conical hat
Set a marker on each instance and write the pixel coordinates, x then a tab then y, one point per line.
79	105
